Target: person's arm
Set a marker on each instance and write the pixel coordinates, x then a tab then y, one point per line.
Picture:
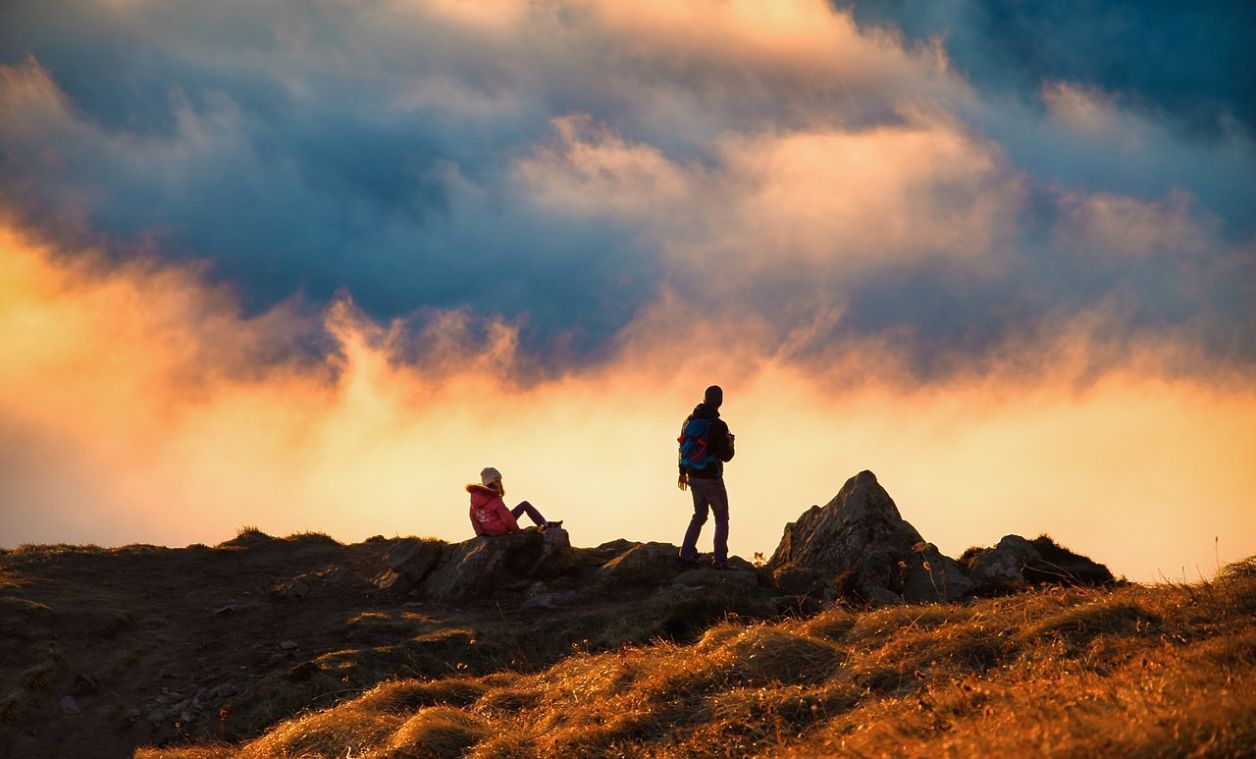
722	441
683	481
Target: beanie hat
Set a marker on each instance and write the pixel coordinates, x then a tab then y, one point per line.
488	474
713	396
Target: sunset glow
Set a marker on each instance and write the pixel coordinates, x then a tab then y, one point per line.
316	269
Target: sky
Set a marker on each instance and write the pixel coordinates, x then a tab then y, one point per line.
311	266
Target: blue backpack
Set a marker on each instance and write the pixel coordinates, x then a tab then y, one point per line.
694	442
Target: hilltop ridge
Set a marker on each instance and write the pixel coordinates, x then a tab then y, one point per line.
109	649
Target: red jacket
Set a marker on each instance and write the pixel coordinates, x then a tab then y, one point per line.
489	515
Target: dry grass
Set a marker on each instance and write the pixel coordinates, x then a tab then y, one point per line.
32	682
1168	670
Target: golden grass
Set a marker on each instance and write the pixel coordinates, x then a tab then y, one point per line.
437	731
405	696
1167	670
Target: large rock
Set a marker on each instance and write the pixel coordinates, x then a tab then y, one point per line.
644	564
557	557
414	557
1000	569
861	538
479	567
409	562
933	576
1056	564
1016	563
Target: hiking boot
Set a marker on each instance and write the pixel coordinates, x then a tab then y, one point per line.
720	565
689	563
552	525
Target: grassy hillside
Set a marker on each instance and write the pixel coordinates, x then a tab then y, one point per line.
1167	670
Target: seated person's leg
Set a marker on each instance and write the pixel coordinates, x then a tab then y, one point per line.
532	513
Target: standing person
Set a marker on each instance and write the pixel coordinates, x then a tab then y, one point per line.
489	515
705	444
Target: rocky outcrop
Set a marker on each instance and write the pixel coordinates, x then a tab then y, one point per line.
409	562
640	565
861	537
541	571
1015	564
479	567
858	546
1000	569
557	557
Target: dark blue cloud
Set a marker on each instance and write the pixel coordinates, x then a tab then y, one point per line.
285	144
1191	63
312	191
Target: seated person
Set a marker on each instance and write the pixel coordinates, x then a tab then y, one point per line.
489	515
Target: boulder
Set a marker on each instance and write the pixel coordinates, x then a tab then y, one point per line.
932	576
409	562
1016	563
557	557
479	567
1000	569
860	536
644	564
413	557
1056	564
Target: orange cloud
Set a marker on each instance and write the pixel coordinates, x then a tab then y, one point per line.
138	404
1128	226
896	192
827	198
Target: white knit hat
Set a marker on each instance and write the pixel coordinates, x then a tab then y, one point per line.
488	474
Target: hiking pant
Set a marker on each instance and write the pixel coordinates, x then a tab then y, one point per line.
533	514
707	494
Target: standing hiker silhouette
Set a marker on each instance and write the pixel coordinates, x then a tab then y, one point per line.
705	444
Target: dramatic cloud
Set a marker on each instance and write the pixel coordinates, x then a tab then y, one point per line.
137	405
1186	61
329	247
